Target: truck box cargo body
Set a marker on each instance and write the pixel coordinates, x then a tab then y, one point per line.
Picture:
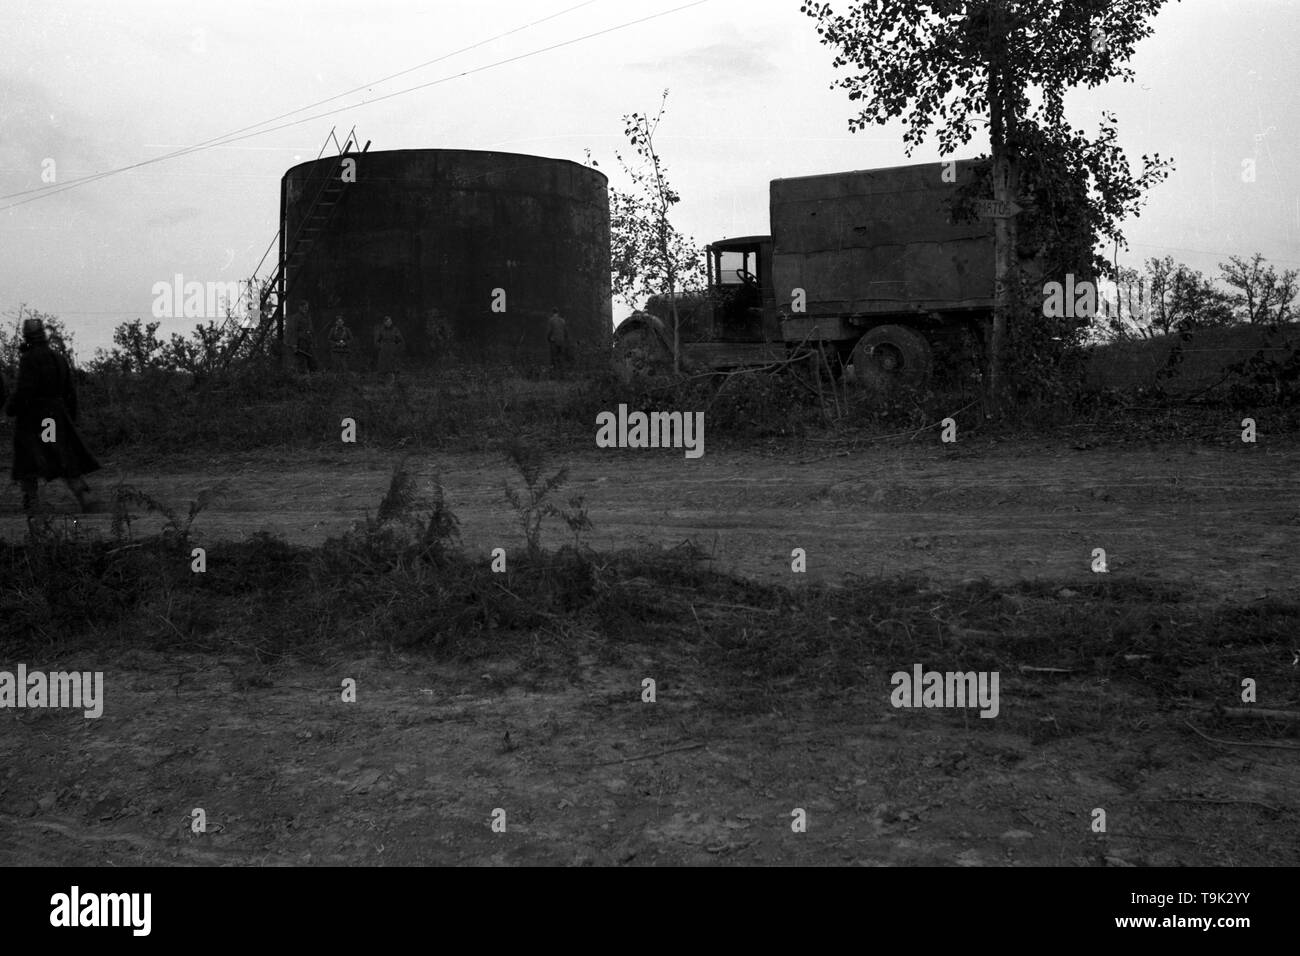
879	242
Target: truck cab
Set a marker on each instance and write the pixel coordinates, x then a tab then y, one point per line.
733	323
740	290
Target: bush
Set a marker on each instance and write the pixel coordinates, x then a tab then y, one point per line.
1266	378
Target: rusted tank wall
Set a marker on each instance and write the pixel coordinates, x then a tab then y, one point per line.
438	229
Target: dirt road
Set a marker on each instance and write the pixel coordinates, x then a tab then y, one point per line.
1225	519
586	772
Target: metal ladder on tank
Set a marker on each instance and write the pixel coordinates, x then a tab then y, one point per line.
274	292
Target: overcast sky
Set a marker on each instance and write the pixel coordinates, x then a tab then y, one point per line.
94	86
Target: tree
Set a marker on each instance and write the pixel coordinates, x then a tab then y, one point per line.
1181	299
1264	297
955	65
200	353
137	349
1129	315
647	253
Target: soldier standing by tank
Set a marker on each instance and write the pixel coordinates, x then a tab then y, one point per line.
304	340
557	338
44	409
340	344
390	344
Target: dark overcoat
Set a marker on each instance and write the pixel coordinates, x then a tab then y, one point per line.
45	390
390	344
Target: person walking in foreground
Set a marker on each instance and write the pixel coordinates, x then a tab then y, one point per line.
389	342
557	338
340	344
44	409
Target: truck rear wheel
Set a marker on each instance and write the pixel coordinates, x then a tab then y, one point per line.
890	356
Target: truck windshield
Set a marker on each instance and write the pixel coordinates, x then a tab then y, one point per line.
728	264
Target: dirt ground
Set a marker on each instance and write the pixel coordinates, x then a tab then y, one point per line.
1222	519
587	773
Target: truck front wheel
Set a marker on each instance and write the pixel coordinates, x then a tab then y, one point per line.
890	356
640	347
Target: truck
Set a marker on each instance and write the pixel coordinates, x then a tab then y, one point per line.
871	268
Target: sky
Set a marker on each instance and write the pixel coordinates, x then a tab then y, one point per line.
88	87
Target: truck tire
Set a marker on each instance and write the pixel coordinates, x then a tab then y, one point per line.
640	348
892	356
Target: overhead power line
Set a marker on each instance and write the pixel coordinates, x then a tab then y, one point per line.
239	135
217	140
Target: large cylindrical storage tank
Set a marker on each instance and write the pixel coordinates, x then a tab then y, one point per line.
475	247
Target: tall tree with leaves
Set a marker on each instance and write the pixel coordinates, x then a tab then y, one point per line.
953	66
649	256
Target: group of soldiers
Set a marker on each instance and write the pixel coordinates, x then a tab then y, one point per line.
44	408
389	343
